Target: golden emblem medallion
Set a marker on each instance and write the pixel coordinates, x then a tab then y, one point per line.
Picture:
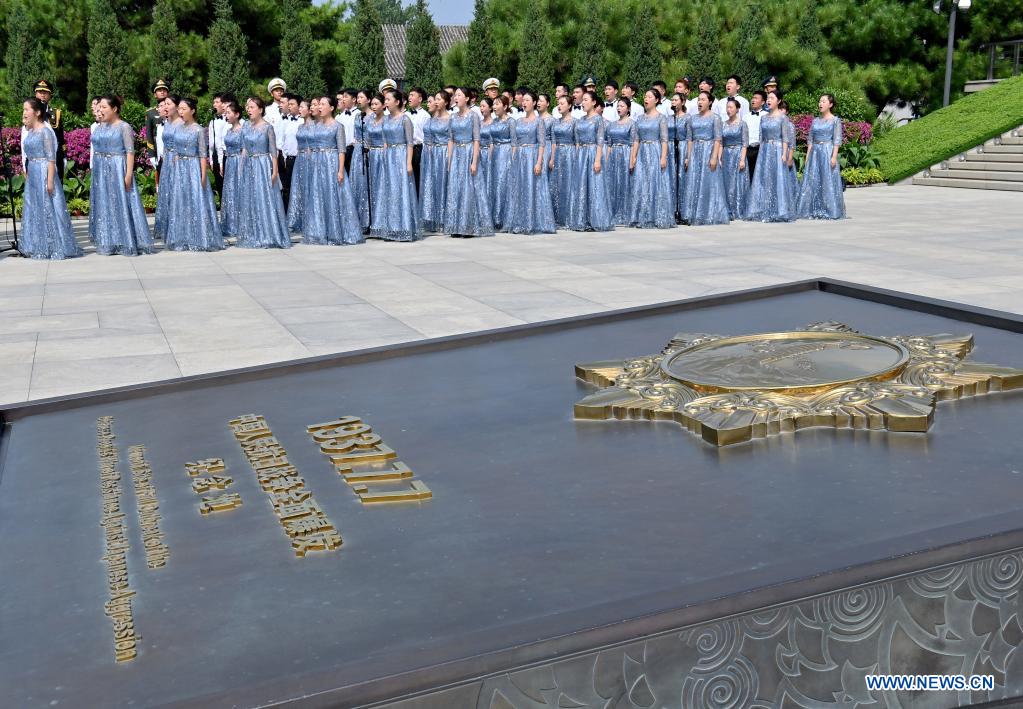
733	389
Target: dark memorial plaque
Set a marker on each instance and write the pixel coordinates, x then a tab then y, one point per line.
430	525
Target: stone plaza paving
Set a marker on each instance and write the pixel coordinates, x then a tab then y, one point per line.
100	322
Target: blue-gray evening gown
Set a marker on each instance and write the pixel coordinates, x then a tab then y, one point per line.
792	178
263	221
192	223
467	205
682	134
673	164
433	174
117	220
652	195
706	199
45	223
299	180
528	198
328	211
619	137
562	175
548	128
499	164
821	194
396	212
769	196
231	192
165	188
591	205
735	137
357	171
486	143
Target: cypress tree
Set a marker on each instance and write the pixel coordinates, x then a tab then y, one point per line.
165	62
809	35
229	72
299	68
643	62
536	63
109	63
366	66
25	57
423	65
481	61
589	49
744	60
705	54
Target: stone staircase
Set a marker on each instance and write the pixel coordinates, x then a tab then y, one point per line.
995	165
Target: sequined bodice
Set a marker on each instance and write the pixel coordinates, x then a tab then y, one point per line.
587	130
461	128
187	141
256	139
36	144
823	131
771	128
108	139
648	128
619	133
702	127
500	131
394	129
563	132
528	132
436	131
731	134
233	142
301	137
374	132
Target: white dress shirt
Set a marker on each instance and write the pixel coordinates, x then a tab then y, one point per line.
721	105
287	135
515	112
419	118
610	113
753	126
691	106
664	107
347	119
636	110
218	129
577	112
158	142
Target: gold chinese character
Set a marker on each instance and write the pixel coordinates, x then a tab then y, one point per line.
214	482
307	525
219	503
415	492
205	466
318	541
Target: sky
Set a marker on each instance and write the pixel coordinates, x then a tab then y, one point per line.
445	12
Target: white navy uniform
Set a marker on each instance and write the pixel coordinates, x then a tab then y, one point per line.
272	114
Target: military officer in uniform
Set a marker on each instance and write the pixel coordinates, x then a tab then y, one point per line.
44	92
272	114
153	120
491	87
770	84
386	84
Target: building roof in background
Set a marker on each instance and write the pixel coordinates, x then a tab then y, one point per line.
394	45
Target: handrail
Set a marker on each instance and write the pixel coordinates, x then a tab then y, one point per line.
1016	44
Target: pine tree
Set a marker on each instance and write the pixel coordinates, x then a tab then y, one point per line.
744	59
589	49
229	71
25	57
109	62
165	62
299	67
536	62
705	54
423	64
643	62
366	66
809	35
481	63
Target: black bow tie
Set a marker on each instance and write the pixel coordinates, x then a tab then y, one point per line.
412	111
576	106
348	112
754	113
608	103
292	118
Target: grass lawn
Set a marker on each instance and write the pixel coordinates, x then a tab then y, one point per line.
951	130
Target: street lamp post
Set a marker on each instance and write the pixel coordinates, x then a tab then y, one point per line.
957	5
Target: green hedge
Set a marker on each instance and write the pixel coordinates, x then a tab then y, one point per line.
850	105
949	131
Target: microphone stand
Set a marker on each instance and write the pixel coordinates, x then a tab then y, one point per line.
7	171
678	207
